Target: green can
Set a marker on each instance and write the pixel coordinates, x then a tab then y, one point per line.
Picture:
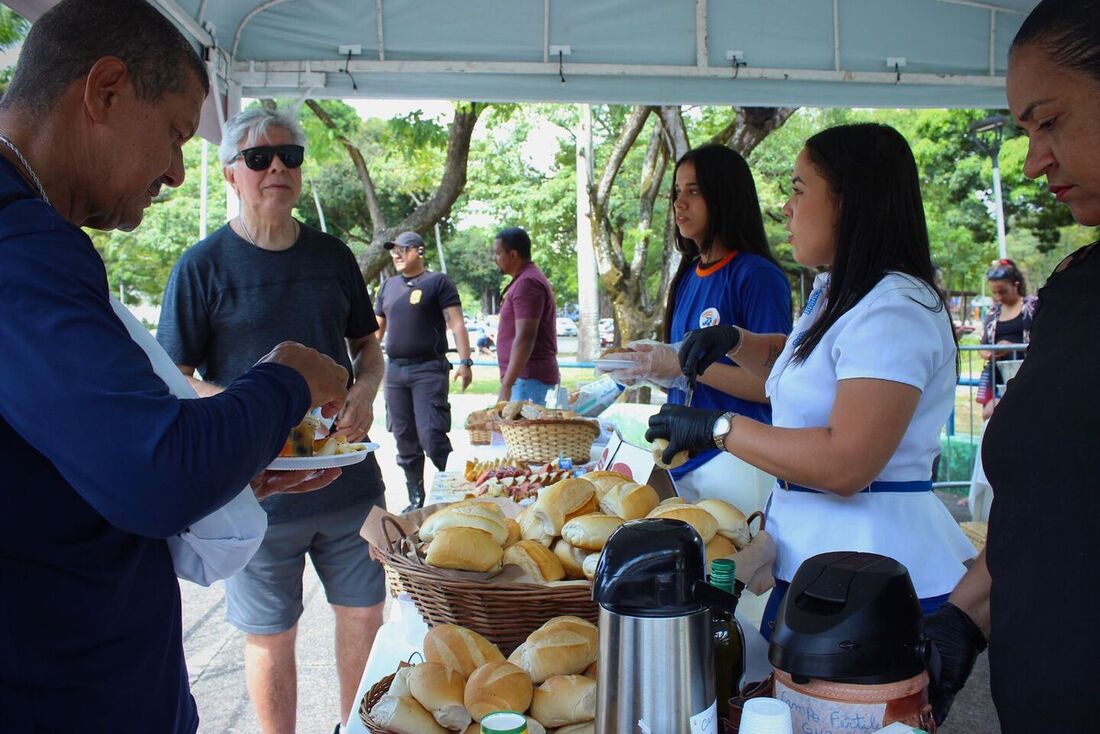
504	722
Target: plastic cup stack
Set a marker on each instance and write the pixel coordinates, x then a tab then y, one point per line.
765	716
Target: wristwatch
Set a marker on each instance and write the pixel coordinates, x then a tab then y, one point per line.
466	362
721	429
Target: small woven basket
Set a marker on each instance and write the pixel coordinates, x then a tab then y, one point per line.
505	614
975	532
371	697
541	441
479	437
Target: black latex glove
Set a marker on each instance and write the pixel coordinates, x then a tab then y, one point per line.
704	347
956	644
690	429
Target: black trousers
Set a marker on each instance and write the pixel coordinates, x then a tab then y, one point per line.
419	415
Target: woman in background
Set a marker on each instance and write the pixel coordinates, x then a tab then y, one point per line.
727	275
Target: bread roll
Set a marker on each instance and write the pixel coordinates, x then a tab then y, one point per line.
588	727
465	549
719	547
671	501
400	684
481	515
604	480
404	715
530	528
564	700
515	534
629	500
439	690
731	521
590	671
588	566
571	558
678	459
535	560
498	686
460	649
563	645
590	532
703	522
559	502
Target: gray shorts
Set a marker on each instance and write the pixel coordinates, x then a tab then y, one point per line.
265	598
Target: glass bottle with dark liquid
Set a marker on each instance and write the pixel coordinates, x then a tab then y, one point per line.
729	640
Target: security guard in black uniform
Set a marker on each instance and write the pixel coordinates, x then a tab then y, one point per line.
414	308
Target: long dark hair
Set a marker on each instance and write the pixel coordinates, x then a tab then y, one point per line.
733	212
880	224
1068	31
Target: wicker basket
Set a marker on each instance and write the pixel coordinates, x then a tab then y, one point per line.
479	437
541	441
505	614
371	697
975	532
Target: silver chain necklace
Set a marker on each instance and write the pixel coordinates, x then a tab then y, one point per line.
244	226
26	167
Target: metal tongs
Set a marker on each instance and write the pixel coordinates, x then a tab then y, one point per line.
691	389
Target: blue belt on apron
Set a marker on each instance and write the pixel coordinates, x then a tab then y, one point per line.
914	486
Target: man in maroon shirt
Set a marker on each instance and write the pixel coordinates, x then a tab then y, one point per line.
527	343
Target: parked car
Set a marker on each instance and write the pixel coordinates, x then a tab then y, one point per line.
566	327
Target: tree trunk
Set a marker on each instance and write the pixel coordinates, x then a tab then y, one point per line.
433	209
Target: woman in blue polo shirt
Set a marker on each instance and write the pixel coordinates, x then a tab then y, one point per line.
727	275
861	391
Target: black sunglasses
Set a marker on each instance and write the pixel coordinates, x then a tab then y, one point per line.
260	157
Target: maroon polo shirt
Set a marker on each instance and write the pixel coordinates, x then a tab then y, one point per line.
529	296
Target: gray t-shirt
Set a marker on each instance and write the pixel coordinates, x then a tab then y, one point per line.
228	303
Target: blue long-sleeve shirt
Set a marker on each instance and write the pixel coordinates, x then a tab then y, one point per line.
98	464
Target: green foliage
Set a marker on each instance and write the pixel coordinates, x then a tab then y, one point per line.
13	28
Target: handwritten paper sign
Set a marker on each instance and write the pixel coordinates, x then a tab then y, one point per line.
818	716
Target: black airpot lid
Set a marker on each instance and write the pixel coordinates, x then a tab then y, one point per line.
849	617
649	568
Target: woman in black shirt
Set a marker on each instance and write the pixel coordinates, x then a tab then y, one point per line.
1033	593
1008	322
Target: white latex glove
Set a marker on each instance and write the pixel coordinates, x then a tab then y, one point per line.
654	362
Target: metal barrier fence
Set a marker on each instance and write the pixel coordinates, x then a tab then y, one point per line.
962	434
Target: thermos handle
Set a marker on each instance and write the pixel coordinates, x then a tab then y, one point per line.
713	597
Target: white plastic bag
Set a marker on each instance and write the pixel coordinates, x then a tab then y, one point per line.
223	542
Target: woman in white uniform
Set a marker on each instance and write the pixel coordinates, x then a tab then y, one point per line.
862	389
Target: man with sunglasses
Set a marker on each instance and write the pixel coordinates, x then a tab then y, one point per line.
414	309
262	278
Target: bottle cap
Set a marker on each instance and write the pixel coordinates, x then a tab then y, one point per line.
504	722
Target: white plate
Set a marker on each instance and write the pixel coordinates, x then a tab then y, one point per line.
614	364
296	463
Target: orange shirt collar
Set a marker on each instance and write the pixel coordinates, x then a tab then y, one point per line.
715	267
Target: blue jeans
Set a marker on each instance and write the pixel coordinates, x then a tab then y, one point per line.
767	622
530	389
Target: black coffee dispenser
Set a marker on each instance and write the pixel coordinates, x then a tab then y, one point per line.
851	618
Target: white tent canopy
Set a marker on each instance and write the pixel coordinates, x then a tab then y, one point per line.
828	53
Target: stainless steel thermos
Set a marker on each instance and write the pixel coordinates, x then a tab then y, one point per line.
656	659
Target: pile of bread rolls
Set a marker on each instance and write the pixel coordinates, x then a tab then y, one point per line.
575	517
561	535
465	678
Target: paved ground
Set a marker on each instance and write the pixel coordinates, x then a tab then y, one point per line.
214	648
